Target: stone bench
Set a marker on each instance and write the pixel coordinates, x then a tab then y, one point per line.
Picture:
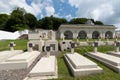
7	54
110	61
46	68
81	66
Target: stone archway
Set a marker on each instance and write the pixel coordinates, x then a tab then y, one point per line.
82	35
109	34
95	35
68	34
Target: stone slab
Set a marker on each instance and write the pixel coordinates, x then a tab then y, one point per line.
80	62
117	54
109	60
44	69
90	67
7	54
83	43
20	61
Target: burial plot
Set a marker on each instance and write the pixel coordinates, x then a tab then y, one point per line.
79	65
110	61
46	68
9	53
116	52
18	66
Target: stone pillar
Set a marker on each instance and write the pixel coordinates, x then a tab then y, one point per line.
95	47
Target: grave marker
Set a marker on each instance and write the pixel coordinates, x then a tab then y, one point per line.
72	47
48	50
95	44
30	47
117	44
11	45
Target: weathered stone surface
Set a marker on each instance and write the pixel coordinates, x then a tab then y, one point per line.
46	68
81	66
109	60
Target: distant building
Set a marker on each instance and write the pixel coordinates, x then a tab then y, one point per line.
88	30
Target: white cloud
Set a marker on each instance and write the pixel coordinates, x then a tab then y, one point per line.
105	10
50	11
37	7
69	16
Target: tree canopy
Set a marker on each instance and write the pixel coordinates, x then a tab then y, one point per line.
19	19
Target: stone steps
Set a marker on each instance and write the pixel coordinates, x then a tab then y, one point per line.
46	68
81	66
109	60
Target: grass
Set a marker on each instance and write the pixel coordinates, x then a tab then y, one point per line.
63	72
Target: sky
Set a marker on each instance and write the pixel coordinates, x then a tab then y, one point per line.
106	11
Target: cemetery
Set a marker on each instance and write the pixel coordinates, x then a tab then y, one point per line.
43	56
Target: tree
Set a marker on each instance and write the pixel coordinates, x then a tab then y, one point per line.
50	22
16	17
78	21
3	20
30	20
99	23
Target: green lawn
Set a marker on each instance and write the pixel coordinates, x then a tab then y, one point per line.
63	71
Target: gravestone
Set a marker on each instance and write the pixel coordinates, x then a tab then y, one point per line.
53	44
30	47
117	45
11	45
48	51
95	44
72	47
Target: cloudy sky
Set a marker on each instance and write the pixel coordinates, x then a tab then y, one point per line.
107	11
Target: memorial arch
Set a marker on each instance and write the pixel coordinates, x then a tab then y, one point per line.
68	34
82	35
95	35
109	34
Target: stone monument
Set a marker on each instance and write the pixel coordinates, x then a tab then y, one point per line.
72	47
30	47
11	45
117	45
95	44
48	51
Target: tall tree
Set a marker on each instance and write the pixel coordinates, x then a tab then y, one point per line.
50	22
16	18
99	23
78	21
30	20
3	20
